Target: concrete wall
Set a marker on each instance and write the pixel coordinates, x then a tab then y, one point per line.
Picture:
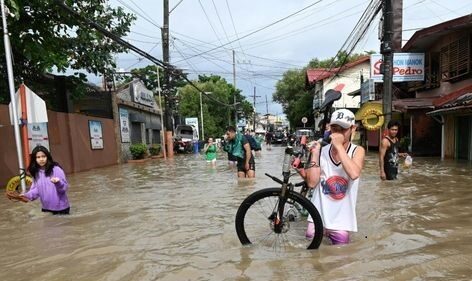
69	141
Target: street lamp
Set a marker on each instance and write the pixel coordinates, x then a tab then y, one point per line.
201	114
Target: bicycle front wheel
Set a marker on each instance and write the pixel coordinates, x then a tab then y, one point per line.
257	216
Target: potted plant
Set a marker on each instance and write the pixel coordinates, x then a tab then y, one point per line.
154	150
405	143
138	151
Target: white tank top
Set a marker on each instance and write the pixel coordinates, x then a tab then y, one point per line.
335	195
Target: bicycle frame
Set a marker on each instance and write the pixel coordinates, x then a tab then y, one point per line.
291	160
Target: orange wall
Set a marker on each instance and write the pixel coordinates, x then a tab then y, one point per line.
69	141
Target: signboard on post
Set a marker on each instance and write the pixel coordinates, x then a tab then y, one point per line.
406	67
367	91
35	107
38	135
304	120
193	121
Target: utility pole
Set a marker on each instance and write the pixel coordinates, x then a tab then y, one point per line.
255	113
234	97
267	106
201	117
267	115
386	49
11	88
167	86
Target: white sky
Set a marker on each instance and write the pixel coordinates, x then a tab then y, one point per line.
261	58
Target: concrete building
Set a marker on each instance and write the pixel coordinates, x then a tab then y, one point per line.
447	119
351	76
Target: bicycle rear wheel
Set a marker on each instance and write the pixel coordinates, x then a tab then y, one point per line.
256	216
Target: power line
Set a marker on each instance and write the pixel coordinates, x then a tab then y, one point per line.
260	29
127	45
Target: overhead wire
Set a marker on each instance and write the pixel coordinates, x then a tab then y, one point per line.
262	28
170	68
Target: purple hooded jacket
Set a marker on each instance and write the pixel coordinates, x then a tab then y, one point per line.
53	196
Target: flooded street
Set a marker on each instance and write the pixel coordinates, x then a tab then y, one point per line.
174	220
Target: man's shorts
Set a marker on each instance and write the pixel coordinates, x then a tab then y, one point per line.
241	162
391	173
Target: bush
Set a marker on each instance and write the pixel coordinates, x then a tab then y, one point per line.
138	151
155	149
404	143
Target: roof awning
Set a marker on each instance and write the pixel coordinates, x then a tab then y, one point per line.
460	109
454	105
413	103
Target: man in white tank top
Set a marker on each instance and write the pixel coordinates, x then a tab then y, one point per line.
333	171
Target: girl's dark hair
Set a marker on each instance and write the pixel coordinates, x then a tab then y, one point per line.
34	168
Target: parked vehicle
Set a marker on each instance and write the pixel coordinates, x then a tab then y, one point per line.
279	138
308	132
185	136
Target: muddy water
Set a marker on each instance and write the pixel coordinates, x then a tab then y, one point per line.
174	220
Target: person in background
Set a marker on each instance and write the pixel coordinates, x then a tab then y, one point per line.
388	152
334	171
210	150
232	160
327	132
49	183
255	146
238	145
268	140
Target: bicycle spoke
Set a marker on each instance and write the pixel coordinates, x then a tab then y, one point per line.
258	221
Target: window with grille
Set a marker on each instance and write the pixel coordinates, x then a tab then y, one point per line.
455	59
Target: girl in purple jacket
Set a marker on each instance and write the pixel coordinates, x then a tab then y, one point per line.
49	182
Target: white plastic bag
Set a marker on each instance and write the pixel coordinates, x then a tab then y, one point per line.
408	161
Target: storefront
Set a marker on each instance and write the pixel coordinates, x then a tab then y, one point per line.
137	118
454	112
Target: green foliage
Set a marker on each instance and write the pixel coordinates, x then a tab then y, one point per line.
291	94
155	149
44	37
404	143
138	151
216	116
341	59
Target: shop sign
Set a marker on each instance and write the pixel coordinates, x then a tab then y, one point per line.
124	125
367	91
142	95
406	67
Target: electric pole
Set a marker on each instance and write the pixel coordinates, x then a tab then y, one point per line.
167	86
386	49
234	97
255	113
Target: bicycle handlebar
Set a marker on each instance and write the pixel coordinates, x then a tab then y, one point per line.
274	178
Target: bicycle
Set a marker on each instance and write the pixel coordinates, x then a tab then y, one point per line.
273	217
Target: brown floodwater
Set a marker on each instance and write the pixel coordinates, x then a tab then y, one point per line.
174	220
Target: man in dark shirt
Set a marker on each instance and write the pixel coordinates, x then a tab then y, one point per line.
388	152
239	146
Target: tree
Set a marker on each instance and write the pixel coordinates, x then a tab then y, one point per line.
292	95
44	38
217	115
